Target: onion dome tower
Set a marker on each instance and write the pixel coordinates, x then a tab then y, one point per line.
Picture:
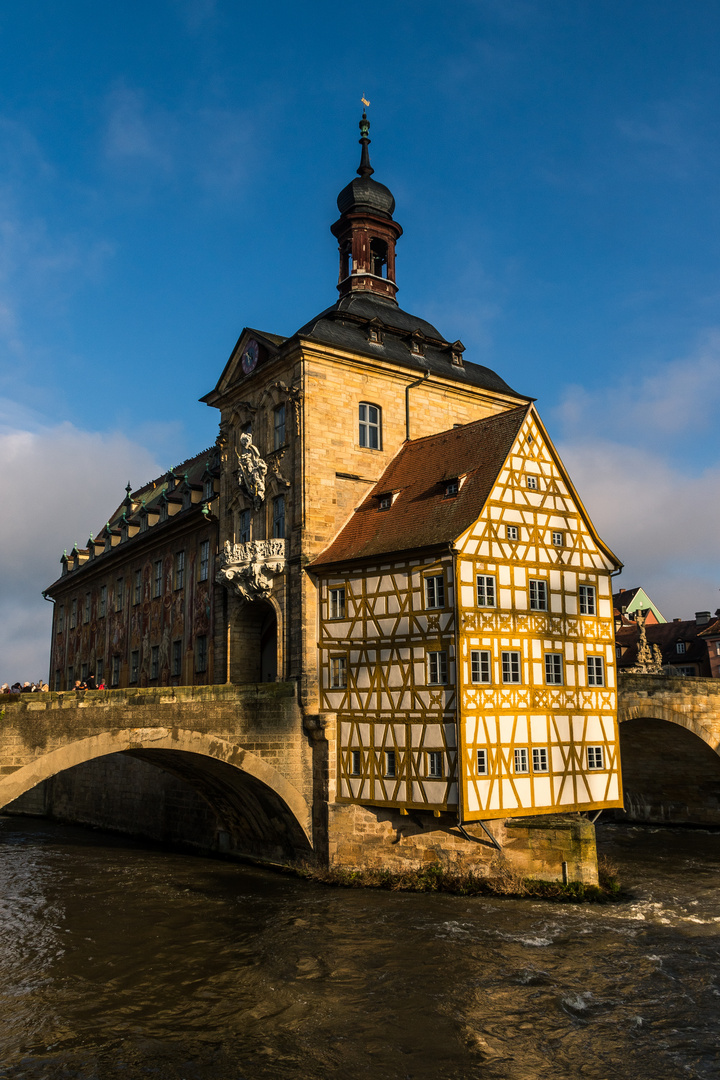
365	231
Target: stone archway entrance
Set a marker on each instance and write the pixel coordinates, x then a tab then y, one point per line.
255	653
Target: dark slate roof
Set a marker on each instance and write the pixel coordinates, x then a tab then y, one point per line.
365	193
624	599
421	516
345	324
666	637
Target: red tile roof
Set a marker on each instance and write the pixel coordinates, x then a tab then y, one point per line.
421	516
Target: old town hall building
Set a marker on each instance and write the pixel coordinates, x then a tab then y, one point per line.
387	524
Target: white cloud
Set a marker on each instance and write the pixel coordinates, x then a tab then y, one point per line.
659	514
57	484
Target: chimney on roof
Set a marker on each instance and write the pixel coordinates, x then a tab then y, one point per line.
677	620
622	590
702	617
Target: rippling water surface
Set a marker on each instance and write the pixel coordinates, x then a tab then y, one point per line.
122	961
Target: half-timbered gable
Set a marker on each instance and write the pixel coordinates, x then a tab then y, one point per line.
473	540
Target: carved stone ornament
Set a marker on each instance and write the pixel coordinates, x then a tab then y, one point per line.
648	661
248	569
252	469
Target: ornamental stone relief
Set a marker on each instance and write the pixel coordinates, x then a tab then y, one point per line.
248	569
252	470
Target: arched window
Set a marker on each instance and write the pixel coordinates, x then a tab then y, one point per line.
370	425
378	257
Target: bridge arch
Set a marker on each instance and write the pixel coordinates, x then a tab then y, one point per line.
264	814
670	764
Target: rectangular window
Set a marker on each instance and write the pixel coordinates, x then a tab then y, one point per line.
204	560
680	647
73	614
99	671
595	671
337	603
511	667
86	612
538	596
58	678
84	673
558	539
435	763
485	591
201	652
71	677
119	594
686	670
157	579
60	619
482	763
279	417
338	672
480	666
390	763
279	517
155	662
540	759
179	570
512	532
137	595
437	667
102	606
385	501
115	679
176	659
435	591
134	665
209	489
369	425
595	757
356	763
244	527
553	669
521	760
587	600
452	487
532	483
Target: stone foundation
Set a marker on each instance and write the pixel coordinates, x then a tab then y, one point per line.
550	848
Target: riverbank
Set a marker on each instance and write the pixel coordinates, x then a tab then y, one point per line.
500	881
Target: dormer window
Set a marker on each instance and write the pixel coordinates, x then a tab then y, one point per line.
452	487
680	647
385	500
164	513
416	345
209	488
375	332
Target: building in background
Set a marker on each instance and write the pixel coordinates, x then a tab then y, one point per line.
684	646
630	602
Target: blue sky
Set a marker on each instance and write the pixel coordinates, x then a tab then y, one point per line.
168	175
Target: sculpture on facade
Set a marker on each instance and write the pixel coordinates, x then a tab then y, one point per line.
252	469
648	661
248	569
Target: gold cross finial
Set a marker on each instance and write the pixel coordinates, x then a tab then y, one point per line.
365	101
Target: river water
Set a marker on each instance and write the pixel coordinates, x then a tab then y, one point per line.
120	960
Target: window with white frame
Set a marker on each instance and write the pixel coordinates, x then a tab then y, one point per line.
434	591
451	488
385	500
279	426
595	671
485	590
540	759
587	600
180	570
512	532
538	596
336	603
157	578
338	672
244	527
390	763
137	593
480	666
356	763
510	667
437	667
532	482
521	760
435	763
204	562
558	539
553	668
482	763
279	517
595	757
680	647
370	433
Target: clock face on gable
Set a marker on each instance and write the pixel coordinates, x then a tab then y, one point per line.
250	356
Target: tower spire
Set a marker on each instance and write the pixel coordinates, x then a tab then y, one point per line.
366	168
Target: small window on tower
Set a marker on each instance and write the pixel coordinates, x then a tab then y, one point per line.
378	257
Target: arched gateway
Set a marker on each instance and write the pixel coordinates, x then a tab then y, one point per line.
229	745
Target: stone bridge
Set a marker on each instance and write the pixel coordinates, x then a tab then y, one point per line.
670	748
243	749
